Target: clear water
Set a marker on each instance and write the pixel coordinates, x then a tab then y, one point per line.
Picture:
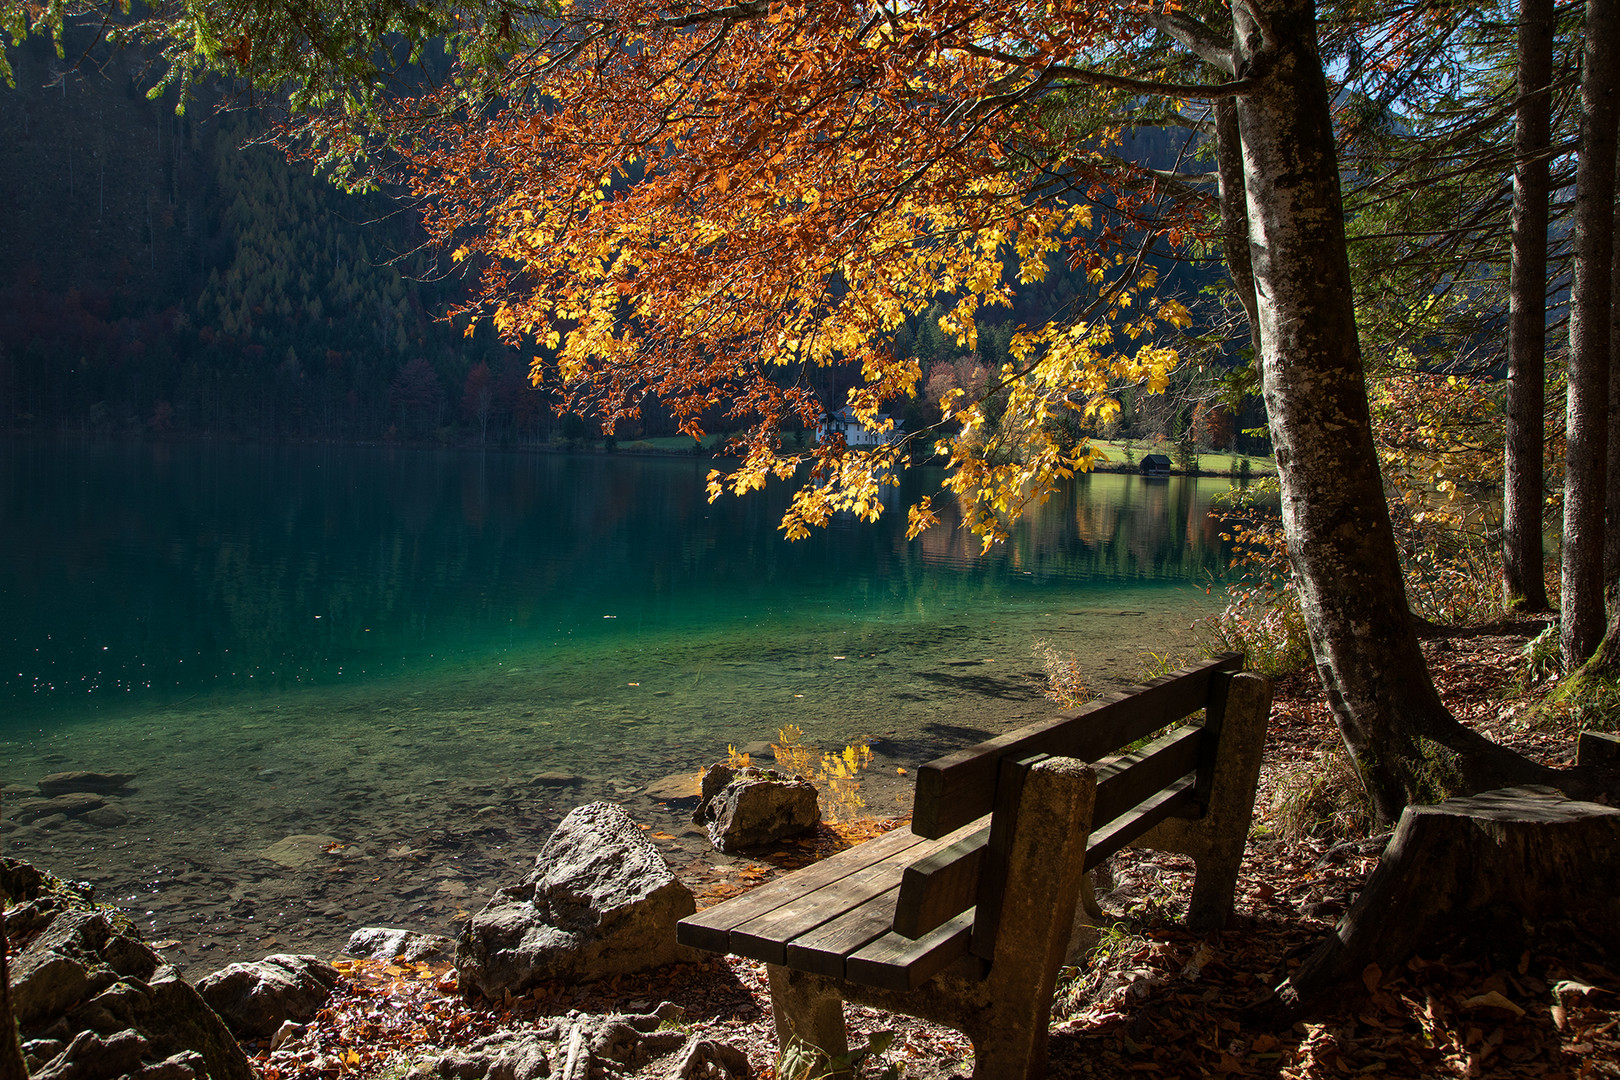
387	648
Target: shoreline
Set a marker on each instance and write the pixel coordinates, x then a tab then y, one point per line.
592	448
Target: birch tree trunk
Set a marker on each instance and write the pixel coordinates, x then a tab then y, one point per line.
1523	488
1407	746
1234	215
1581	621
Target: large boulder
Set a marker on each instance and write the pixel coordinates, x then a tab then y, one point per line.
600	901
93	1002
748	807
254	999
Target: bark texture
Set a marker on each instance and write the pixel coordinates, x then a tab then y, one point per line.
1523	459
1407	746
1586	463
1234	215
1482	867
1611	532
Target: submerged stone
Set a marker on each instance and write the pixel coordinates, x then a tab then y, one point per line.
98	783
300	850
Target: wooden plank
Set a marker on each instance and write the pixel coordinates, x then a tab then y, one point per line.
823	950
956	789
1214	724
1119	833
993	875
1128	779
765	936
935	889
711	928
899	963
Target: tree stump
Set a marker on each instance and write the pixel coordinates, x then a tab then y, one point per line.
1494	866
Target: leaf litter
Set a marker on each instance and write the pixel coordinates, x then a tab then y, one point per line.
1154	1000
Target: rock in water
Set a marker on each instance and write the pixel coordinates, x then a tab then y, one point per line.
600	901
747	807
301	850
255	999
64	783
71	805
382	943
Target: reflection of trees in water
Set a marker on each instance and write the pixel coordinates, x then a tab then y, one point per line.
1108	526
205	566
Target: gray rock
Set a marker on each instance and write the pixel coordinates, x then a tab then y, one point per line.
186	1065
382	943
94	1002
600	901
254	999
674	787
91	1057
106	817
100	783
747	807
555	779
301	850
71	805
63	963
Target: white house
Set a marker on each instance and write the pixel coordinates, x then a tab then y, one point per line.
843	422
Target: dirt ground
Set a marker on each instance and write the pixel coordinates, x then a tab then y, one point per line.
1154	1000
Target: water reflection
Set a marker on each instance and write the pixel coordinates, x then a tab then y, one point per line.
135	575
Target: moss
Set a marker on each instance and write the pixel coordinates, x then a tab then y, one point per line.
1438	775
1584	701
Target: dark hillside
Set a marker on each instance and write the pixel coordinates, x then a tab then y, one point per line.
160	276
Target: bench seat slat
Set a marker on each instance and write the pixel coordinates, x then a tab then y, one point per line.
765	937
899	963
960	787
1120	832
824	950
711	928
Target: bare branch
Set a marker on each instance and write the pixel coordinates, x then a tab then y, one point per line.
1209	46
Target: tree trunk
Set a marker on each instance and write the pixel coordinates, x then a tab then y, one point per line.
1611	532
1407	746
1483	867
1234	215
1523	494
1587	426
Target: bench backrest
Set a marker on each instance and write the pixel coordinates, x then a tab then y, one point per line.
1169	776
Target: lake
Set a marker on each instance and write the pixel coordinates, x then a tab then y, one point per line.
361	685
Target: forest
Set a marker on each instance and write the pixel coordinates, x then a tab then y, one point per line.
174	276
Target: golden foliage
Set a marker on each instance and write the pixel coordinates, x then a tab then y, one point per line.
839	774
709	206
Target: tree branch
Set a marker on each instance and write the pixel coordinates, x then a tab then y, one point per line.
1209	46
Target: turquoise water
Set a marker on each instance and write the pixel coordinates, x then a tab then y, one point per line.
440	653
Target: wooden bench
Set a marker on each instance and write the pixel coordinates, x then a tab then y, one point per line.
965	918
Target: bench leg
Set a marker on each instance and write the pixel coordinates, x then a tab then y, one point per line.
1217	840
1045	857
808	1008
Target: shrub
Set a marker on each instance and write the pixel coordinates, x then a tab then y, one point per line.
1064	682
1322	798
